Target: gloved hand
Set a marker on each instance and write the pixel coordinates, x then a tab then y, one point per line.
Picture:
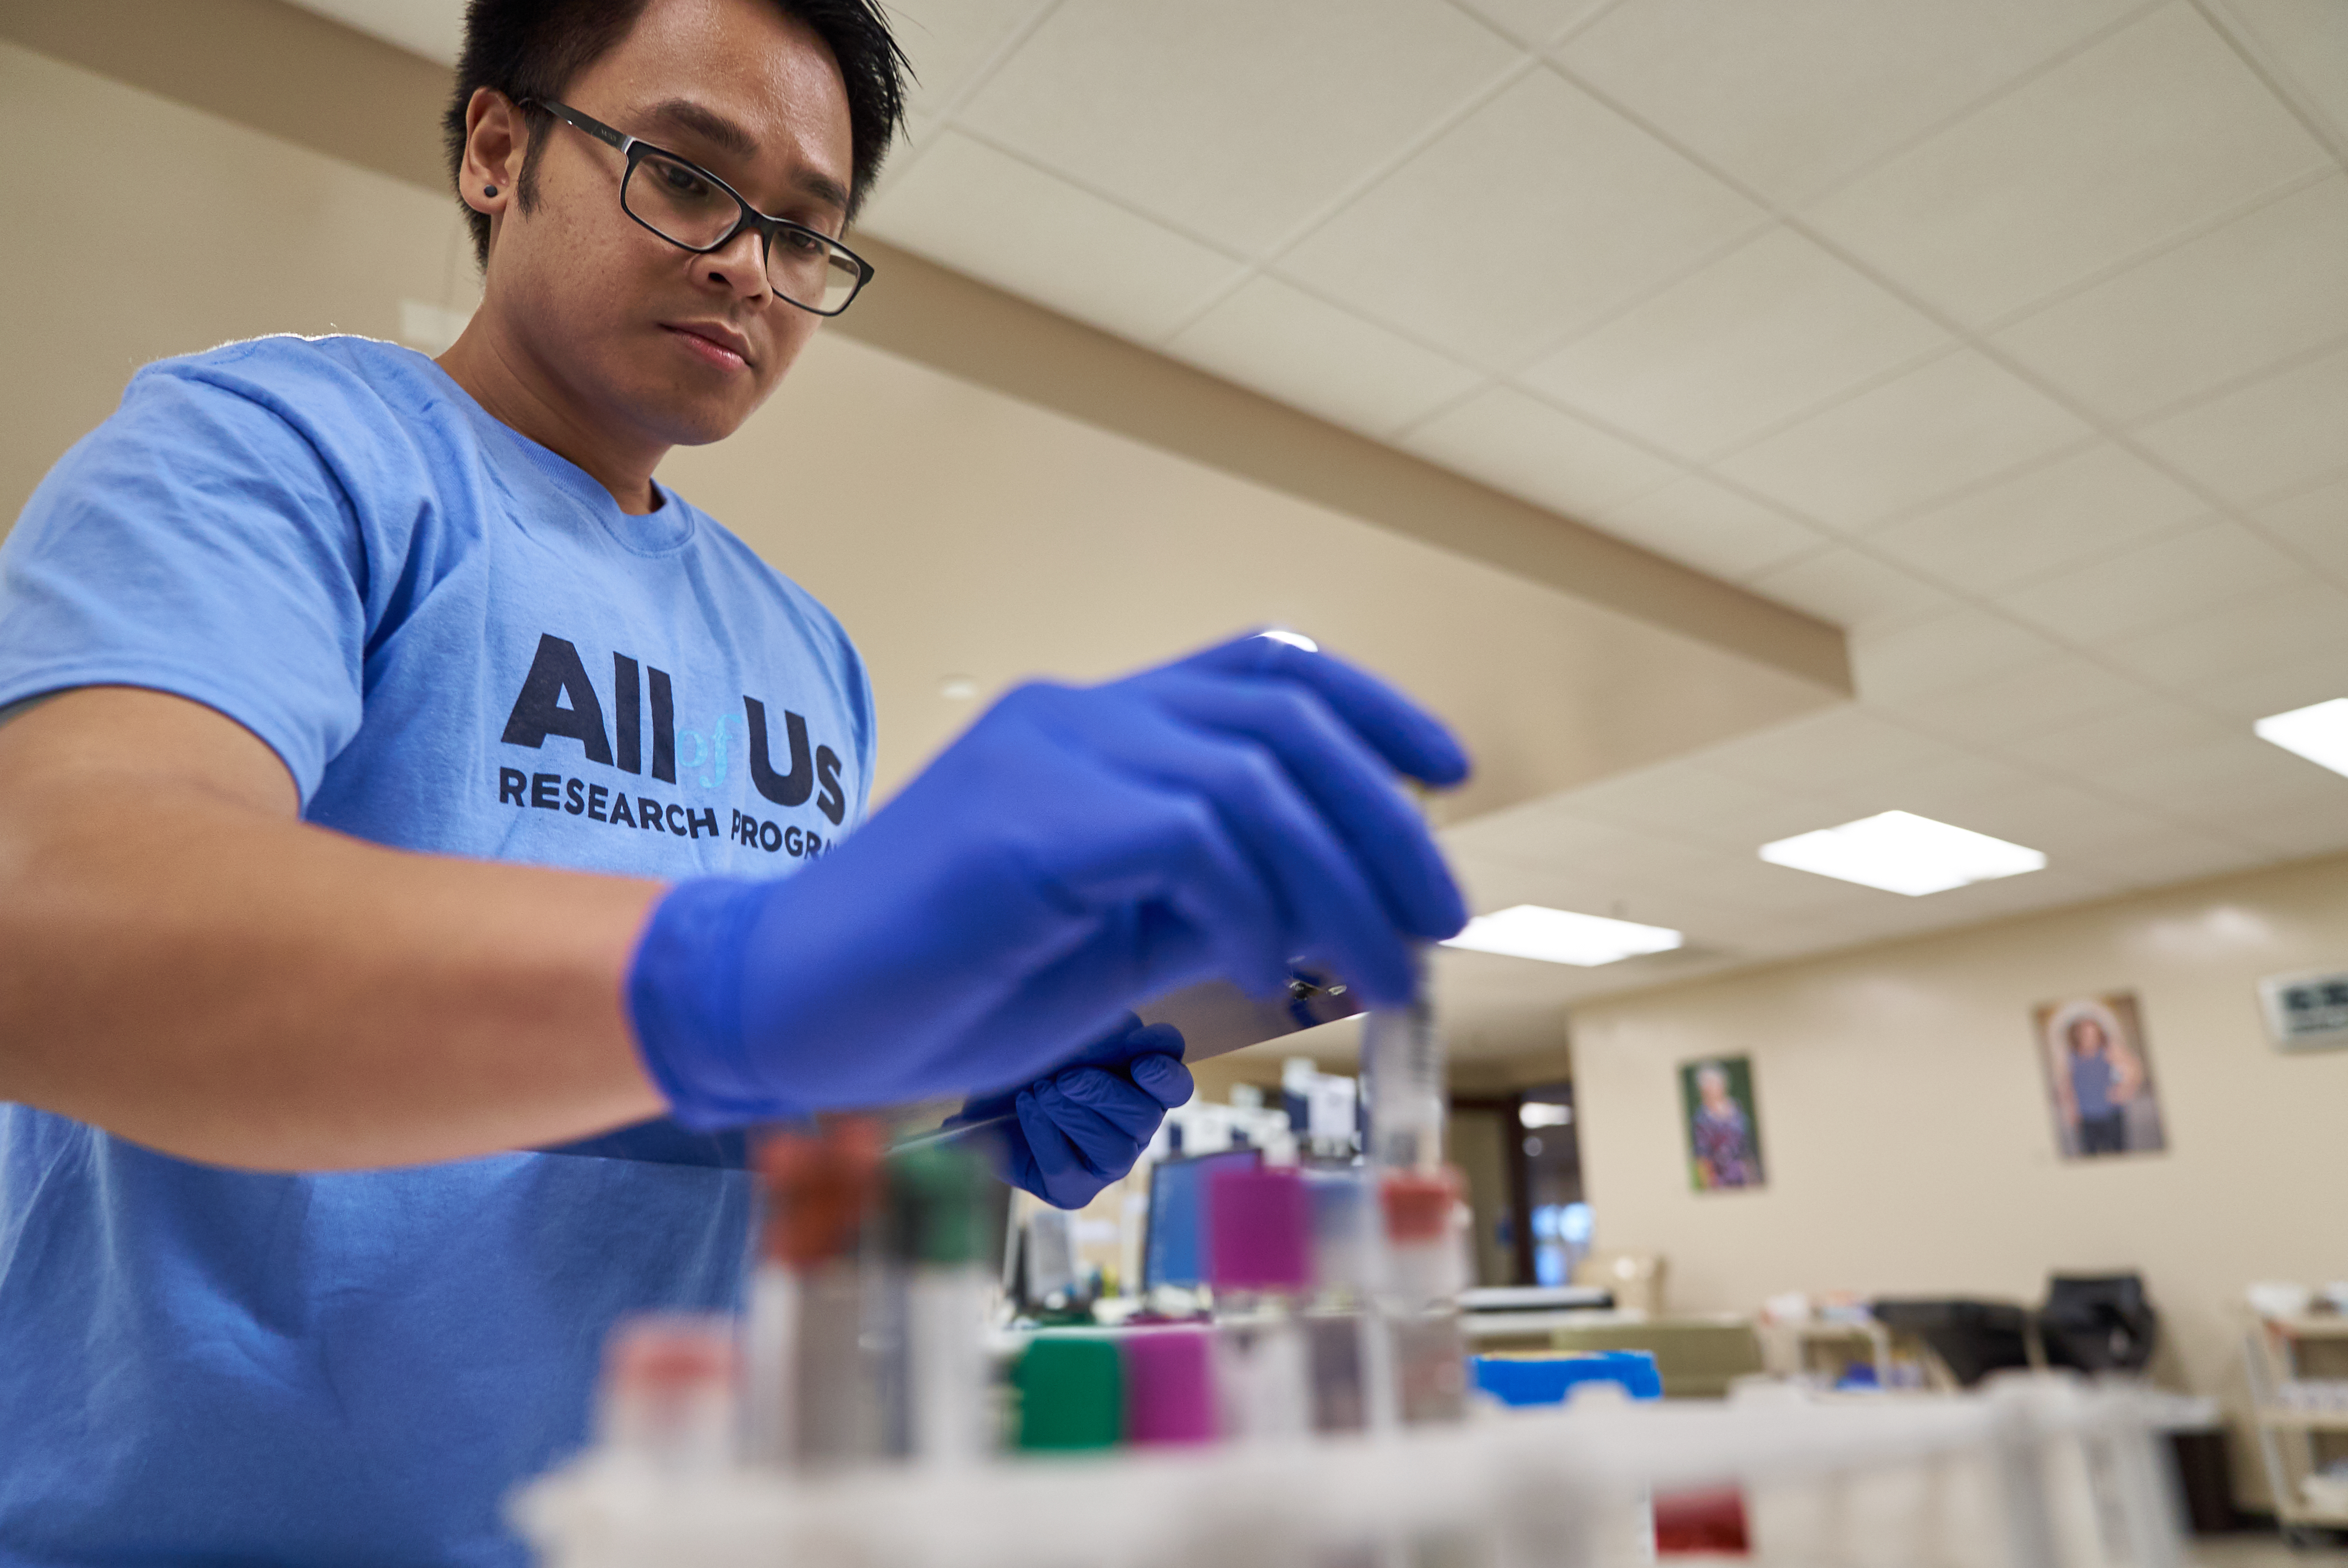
1078	1131
1077	851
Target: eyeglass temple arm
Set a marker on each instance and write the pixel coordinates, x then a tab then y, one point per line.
588	123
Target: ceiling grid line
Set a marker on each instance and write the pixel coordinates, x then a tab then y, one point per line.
996	57
2243	40
1434	130
2224	218
1968	338
1889	154
2102	429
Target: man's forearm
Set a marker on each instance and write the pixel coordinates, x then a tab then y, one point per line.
192	967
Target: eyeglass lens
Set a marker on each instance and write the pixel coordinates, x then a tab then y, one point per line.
678	202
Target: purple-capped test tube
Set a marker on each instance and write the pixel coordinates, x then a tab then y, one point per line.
1169	1387
1260	1232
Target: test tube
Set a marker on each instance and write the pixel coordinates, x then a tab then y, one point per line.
1403	1060
1426	1260
810	1400
1340	1332
937	1202
1071	1393
1259	1252
668	1397
1169	1387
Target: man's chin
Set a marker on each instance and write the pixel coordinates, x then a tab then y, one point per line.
697	422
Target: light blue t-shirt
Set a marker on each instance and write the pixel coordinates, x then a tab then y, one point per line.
457	643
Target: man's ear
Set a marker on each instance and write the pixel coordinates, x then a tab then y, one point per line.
496	141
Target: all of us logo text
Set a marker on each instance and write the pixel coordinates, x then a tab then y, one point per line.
558	699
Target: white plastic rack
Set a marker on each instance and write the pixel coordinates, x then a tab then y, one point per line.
2039	1471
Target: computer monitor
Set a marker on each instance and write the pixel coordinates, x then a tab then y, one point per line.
1174	1247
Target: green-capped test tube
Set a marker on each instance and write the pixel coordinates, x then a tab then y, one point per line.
937	1201
1071	1393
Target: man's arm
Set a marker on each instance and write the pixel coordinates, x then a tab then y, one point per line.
186	963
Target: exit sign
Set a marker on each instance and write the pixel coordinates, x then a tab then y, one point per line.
2307	1012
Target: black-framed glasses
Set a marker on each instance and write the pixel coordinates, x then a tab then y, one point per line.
694	210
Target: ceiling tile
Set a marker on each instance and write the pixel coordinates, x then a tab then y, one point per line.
1848	589
2308	677
2296	619
1690	801
1944	791
2168	854
2061	692
2044	518
1107	266
2153	584
2061	819
1742	878
2320	827
1829	751
947	41
1584	212
2257	291
1539	830
1290	346
2307	41
2152	130
1200	113
1955	648
2146	726
1709	527
2315	523
1534	23
2279	433
2232	781
1743	84
1772	329
1913	440
1523	445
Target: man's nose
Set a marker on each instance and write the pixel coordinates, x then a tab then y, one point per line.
739	266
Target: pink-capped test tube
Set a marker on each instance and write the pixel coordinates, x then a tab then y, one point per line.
1169	1387
1260	1262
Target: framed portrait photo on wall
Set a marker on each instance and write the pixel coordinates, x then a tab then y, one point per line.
1724	1127
2099	1076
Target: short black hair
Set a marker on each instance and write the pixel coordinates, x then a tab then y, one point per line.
533	49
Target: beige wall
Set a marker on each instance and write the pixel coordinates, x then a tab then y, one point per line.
137	229
1905	1121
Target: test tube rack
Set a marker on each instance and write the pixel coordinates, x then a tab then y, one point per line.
2038	1471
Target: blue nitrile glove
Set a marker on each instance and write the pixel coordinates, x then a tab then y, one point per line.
1077	851
1082	1127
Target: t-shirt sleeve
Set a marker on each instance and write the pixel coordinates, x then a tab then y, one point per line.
196	543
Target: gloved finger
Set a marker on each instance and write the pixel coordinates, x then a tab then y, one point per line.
1078	997
1332	908
1351	787
1109	1150
1116	1098
1412	740
1060	1168
1144	842
1129	1040
1164	1079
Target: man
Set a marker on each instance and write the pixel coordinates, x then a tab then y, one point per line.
384	983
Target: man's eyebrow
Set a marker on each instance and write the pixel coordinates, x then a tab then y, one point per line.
726	135
729	136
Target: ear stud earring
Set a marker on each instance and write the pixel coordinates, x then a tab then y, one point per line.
488	190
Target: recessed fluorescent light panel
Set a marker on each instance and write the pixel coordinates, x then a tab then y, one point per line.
1900	852
1558	937
2319	733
